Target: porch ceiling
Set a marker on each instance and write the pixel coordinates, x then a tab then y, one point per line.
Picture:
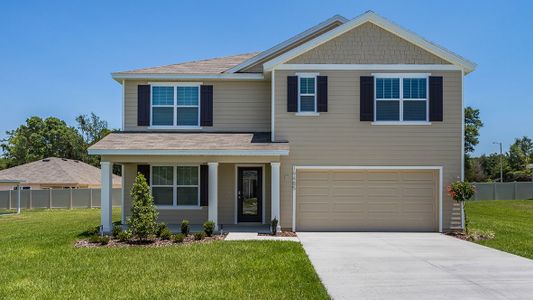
174	143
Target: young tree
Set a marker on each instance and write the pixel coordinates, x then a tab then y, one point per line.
520	153
472	126
40	138
143	220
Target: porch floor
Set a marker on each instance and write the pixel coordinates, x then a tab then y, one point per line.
257	228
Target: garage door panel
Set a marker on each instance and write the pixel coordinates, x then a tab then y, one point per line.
367	200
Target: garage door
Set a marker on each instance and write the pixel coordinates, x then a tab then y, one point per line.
367	200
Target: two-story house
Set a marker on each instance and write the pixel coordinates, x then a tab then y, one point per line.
352	125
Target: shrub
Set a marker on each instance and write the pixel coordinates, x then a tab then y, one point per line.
94	238
160	228
185	227
274	226
209	227
179	238
93	230
117	229
104	240
165	234
124	236
199	236
143	212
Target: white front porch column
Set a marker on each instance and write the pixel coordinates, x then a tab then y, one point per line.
275	193
212	212
106	197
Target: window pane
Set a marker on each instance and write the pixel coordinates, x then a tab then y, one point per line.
162	195
187	116
307	85
187	95
162	175
163	95
387	110
188	175
307	103
187	196
414	110
414	88
388	88
162	115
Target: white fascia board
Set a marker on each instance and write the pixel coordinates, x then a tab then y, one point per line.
370	67
280	46
238	76
189	152
381	22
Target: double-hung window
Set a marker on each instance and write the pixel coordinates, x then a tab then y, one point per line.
176	105
307	93
176	186
401	98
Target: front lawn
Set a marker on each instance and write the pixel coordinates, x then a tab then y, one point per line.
510	220
38	260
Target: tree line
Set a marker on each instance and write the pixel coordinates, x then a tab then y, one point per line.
486	167
40	138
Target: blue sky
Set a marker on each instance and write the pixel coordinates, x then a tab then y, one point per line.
56	56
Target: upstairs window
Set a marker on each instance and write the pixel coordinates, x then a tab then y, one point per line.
401	98
307	93
177	106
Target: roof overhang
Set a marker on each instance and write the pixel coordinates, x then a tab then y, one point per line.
372	17
16	181
198	152
233	76
281	46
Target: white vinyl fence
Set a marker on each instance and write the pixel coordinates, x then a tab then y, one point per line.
56	198
503	190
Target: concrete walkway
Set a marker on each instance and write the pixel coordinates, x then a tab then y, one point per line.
254	236
415	266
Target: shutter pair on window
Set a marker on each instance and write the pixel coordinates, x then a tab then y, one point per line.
321	93
367	99
143	105
204	181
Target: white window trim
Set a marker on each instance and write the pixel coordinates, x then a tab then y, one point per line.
307	113
175	186
175	105
401	100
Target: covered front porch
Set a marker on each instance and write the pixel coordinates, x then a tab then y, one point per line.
238	188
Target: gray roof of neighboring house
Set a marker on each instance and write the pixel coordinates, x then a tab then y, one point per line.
187	141
208	66
55	170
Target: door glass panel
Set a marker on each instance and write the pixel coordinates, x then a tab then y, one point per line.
249	193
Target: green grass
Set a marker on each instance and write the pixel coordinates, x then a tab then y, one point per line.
510	220
38	260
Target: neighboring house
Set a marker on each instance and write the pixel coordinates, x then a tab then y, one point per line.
53	173
352	125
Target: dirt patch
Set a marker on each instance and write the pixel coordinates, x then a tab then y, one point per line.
473	235
154	243
280	234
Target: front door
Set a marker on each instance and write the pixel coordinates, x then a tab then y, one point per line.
249	194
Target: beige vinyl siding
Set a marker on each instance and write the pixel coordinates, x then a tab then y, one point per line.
338	138
367	44
237	106
226	197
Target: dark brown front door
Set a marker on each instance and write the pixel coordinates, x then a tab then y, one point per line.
249	194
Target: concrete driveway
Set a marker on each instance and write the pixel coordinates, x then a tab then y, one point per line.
415	266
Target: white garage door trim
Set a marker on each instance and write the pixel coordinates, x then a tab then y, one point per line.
392	168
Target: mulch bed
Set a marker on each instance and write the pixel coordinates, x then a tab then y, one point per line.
280	234
471	237
155	242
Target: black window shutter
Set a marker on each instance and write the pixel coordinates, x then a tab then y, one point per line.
435	99
366	105
145	170
143	105
292	93
206	104
204	185
322	93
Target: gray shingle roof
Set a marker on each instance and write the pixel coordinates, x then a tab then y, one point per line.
55	170
207	66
